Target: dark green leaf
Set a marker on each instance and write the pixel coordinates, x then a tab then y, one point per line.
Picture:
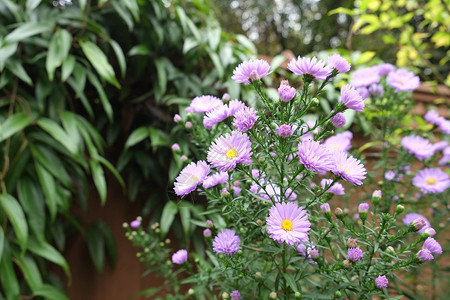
50	292
139	50
185	214
68	65
47	251
58	50
96	245
113	170
167	217
103	98
2	241
30	270
8	277
120	57
15	214
12	125
17	69
26	30
6	51
137	136
56	131
290	281
99	179
49	186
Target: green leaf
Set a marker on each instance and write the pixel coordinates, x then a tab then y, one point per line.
290	281
17	69
8	277
217	63
50	292
189	43
103	98
32	4
160	64
49	186
98	59
133	7
244	41
58	50
120	57
139	50
137	136
2	241
96	246
26	30
15	214
56	131
112	170
185	214
6	51
30	270
341	10
366	57
68	66
48	252
99	179
167	217
12	125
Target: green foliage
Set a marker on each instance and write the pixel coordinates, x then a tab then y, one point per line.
81	85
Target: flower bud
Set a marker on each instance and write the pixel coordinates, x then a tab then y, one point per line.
226	97
183	158
376	197
209	224
191	292
175	147
338	120
351	243
176	118
314	254
273	295
260	223
337	294
417	224
339	213
429	232
135	224
225	295
347	264
286	92
390	250
362	210
207	233
424	255
399	209
188	125
298	295
315	101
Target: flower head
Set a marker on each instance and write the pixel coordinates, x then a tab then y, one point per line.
180	257
190	177
215	179
207	232
338	120
336	188
235	295
351	98
286	92
287	222
413	216
354	254
135	224
376	90
432	245
305	248
337	62
229	150
365	77
433	117
424	255
325	207
245	118
381	282
403	80
339	142
446	158
284	130
431	180
363	207
384	69
226	242
417	145
206	103
314	156
252	69
349	168
309	66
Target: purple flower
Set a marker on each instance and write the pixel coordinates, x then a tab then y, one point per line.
446	158
221	113
286	92
337	62
245	118
207	232
354	254
205	103
403	80
180	257
349	168
390	175
338	120
363	207
440	146
215	179
445	126
339	142
287	222
425	255
305	248
314	156
176	118
325	207
384	69
351	98
365	77
252	69
382	282
363	92
432	180
409	218
376	90
271	191
235	295
226	242
135	224
309	66
284	130
191	176
229	150
175	147
432	245
433	117
420	147
234	106
336	188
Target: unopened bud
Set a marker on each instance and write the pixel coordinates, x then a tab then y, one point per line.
298	295
376	197
273	295
351	243
260	223
315	101
390	250
399	209
225	295
337	294
417	224
347	264
176	118
339	213
207	233
362	211
188	125
430	231
209	224
191	292
314	254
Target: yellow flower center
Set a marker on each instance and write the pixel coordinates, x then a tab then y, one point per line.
195	178
346	170
286	225
336	146
431	181
231	154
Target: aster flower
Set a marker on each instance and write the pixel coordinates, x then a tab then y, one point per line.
363	92
382	282
424	255
339	142
226	242
338	63
431	180
384	69
433	117
314	156
349	168
284	130
365	77
180	257
245	118
221	113
305	248
420	147
336	188
206	103
135	224
252	69
286	92
363	207
305	127
229	150
440	146
445	126
338	120
215	179
446	158
190	177
351	98
287	222
354	254
207	233
235	295
409	218
325	207
432	245
376	90
310	67
234	106
403	80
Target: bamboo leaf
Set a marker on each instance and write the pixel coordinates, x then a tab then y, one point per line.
58	50
15	214
167	217
50	292
48	252
58	133
12	125
26	30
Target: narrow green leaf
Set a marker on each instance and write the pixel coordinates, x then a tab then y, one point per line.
17	69
49	186
8	277
167	217
217	63
124	14
162	75
50	292
99	179
70	124
30	270
103	98
96	245
120	57
82	4
56	131
112	169
12	125
365	57
58	50
185	214
26	30
133	7
100	62
68	66
2	241
15	214
137	136
110	242
189	43
139	50
48	252
290	281
32	4
6	51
